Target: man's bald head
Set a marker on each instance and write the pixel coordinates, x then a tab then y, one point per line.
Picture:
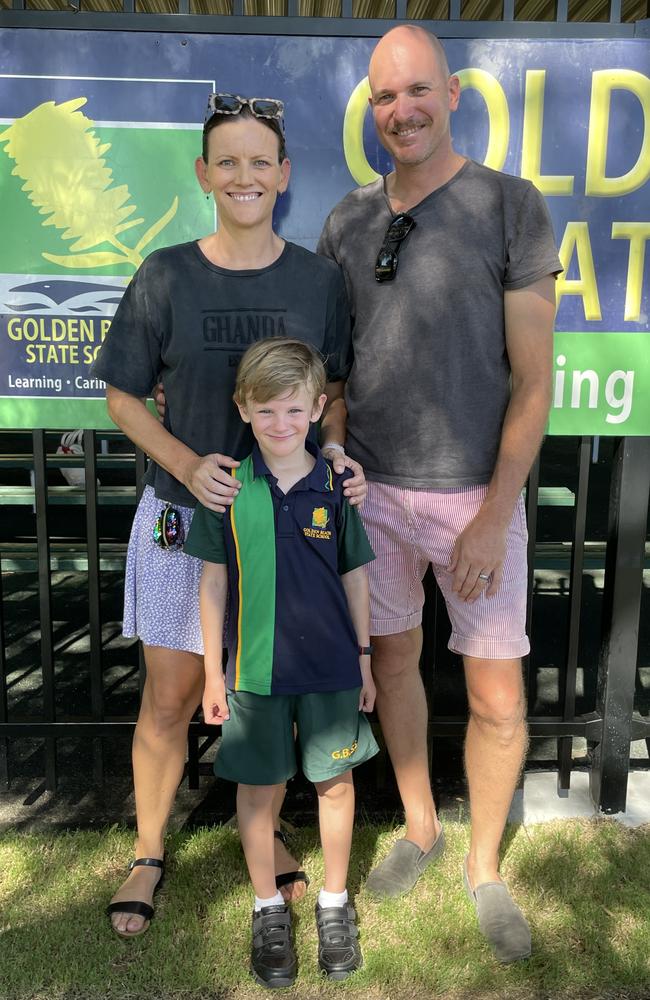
404	36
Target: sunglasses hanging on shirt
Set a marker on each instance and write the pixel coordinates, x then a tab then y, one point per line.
386	263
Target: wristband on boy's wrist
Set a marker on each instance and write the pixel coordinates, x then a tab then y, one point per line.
365	650
333	447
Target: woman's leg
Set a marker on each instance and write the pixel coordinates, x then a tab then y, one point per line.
172	692
336	818
284	860
255	815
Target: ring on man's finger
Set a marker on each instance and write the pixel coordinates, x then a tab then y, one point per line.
484	576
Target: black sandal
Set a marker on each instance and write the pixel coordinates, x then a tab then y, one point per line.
288	878
135	906
338	946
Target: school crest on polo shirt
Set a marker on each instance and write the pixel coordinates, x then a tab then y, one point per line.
319	520
320	517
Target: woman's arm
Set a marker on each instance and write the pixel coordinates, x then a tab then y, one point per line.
203	476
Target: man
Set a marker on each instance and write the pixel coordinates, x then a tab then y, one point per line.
447	402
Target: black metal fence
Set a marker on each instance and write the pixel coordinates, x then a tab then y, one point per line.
586	586
585	561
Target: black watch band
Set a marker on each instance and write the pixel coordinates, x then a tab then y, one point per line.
365	650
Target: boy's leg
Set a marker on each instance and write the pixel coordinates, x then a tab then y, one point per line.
338	946
273	959
333	735
336	818
255	815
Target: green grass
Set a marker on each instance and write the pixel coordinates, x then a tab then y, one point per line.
584	885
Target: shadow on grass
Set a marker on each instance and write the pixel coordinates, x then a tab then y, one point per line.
583	886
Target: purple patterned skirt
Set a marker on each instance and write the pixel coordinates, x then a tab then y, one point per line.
161	586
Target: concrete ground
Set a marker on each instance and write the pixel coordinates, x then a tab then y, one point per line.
541	801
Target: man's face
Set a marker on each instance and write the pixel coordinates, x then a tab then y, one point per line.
411	98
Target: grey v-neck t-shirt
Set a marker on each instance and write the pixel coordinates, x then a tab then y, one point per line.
430	380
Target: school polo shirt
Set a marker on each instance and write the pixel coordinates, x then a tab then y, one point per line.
289	627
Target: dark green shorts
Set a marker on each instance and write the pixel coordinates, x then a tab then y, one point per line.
258	745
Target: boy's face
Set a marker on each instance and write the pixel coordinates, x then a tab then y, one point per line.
281	425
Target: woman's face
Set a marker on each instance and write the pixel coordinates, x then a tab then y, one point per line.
243	172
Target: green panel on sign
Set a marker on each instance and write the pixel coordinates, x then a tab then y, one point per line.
601	384
24	412
174	204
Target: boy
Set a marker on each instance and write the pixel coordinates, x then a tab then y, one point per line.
298	646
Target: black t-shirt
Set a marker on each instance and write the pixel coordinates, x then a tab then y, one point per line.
188	322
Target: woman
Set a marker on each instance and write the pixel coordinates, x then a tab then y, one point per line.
187	316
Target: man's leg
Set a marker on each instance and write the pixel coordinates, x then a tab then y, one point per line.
494	752
495	748
396	599
402	709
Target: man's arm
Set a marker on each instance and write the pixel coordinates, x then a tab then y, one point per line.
212	597
480	548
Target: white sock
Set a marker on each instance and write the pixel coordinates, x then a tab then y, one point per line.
326	898
276	900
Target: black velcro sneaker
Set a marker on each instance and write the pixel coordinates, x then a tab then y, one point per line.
339	953
273	959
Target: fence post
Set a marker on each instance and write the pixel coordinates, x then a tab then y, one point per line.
628	516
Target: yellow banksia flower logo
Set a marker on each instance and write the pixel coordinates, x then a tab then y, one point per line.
320	517
62	163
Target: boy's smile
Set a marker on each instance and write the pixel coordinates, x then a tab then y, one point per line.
281	425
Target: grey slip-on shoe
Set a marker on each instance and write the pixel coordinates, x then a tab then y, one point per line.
402	867
500	919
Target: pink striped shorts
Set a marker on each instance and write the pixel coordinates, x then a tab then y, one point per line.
410	528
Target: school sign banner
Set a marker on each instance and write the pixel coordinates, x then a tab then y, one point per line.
99	131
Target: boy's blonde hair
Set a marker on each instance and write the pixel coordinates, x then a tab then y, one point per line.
273	367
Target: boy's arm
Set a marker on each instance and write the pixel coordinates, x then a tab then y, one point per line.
332	434
355	584
212	598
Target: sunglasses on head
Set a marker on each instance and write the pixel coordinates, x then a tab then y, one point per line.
386	263
168	529
232	104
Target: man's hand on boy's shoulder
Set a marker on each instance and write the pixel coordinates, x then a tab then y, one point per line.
355	488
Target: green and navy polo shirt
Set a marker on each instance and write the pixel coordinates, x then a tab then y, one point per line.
289	627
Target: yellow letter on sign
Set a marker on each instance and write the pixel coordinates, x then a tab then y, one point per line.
603	82
498	115
531	143
576	237
637	233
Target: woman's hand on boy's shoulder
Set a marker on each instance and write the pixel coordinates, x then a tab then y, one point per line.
208	479
355	488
